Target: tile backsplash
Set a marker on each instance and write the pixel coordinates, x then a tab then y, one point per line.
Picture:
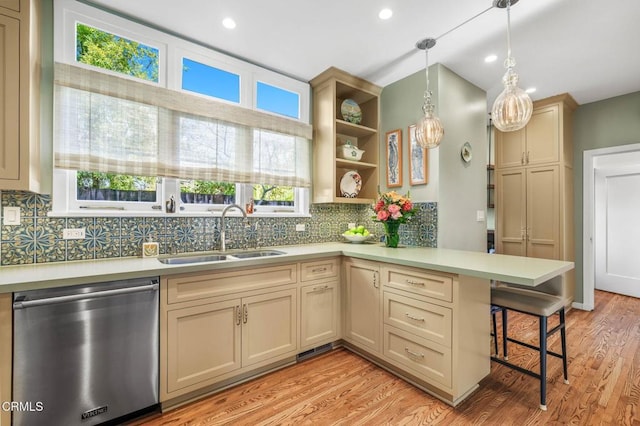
38	239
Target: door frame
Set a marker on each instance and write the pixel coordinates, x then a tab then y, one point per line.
590	159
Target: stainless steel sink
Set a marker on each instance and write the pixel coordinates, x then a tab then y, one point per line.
255	253
181	260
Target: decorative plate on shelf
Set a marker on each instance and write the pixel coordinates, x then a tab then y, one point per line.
350	184
466	152
351	111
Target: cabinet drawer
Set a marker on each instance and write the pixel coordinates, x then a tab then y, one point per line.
196	286
419	282
319	269
427	359
426	320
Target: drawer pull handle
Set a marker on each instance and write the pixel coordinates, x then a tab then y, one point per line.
413	354
411	317
318	270
322	288
411	282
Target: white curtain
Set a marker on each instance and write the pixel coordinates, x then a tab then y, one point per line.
105	123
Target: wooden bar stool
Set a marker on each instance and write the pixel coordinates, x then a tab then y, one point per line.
543	301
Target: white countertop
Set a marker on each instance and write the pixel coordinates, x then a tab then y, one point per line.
514	269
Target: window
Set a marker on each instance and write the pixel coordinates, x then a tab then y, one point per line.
210	81
108	51
132	133
198	192
277	100
94	186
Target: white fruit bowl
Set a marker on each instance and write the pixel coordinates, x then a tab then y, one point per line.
357	239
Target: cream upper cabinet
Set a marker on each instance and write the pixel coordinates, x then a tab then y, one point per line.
12	5
362	308
330	130
19	95
534	185
9	98
538	143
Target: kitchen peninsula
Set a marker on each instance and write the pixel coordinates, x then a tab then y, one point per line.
422	313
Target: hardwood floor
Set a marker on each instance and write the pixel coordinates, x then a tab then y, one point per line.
340	388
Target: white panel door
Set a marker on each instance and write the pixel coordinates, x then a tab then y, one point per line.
617	229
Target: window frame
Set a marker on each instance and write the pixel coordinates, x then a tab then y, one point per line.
171	51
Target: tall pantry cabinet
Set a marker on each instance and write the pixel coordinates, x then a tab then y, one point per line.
534	186
20	94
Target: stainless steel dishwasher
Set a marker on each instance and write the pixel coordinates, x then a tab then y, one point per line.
85	354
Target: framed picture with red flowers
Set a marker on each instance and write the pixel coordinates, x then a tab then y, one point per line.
418	159
394	158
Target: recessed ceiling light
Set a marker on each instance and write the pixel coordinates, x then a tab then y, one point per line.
530	90
229	23
490	58
385	14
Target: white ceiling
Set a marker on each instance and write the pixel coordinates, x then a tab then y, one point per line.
588	48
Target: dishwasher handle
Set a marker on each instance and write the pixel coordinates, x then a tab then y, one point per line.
84	296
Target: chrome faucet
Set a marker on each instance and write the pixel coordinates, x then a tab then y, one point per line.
223	246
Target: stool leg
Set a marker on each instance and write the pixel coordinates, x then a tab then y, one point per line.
504	334
495	334
543	363
563	339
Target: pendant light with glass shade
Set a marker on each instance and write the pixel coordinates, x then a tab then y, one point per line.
513	107
429	131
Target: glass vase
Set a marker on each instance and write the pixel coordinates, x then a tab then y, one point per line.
392	238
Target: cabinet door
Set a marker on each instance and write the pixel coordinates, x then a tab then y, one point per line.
543	212
9	98
543	137
13	5
362	305
510	148
511	214
269	328
203	342
320	313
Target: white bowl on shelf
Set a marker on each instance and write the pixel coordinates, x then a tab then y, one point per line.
357	238
350	152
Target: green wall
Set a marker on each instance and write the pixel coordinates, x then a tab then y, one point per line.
458	187
602	124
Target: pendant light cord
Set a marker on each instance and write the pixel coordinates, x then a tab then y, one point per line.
465	22
509	31
426	55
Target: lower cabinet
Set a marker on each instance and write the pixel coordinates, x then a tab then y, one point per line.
431	329
221	327
203	342
362	307
320	314
207	341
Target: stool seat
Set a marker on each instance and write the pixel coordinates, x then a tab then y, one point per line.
528	301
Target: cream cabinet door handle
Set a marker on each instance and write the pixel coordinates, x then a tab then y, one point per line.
238	315
411	317
413	354
245	313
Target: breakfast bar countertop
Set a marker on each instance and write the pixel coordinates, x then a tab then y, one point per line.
514	269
